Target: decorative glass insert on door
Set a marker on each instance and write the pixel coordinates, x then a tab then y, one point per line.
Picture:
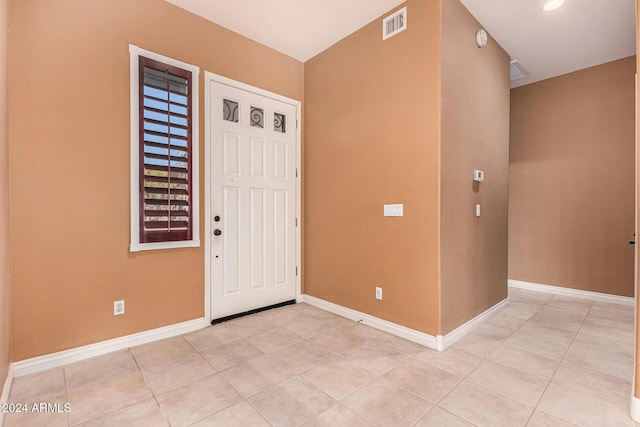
230	110
279	124
257	117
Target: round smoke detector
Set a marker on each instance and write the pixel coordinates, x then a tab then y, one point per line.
481	38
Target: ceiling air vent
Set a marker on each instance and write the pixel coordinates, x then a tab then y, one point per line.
395	23
517	71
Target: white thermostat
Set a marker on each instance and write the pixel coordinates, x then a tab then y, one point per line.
478	175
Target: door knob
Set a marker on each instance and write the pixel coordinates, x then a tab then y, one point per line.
217	232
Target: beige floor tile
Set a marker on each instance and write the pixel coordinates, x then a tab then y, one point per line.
542	419
608	329
194	402
179	372
257	374
338	340
484	407
383	403
36	419
283	316
513	290
484	340
531	297
161	352
615	312
608	356
333	320
367	332
525	361
520	309
559	317
507	322
274	339
405	347
509	382
101	368
40	387
338	377
571	304
420	378
376	356
291	403
249	325
614	389
543	340
211	336
142	414
452	360
338	415
583	409
308	327
239	415
308	309
438	417
98	399
228	355
302	357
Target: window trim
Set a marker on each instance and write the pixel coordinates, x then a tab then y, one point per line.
135	245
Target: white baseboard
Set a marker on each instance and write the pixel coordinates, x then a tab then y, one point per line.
462	330
438	342
575	293
54	360
375	322
634	412
6	389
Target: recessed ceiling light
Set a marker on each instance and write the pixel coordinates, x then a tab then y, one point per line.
552	5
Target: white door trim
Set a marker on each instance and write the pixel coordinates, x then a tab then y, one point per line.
208	152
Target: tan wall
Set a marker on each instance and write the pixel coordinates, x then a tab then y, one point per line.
571	207
372	120
69	133
475	135
5	285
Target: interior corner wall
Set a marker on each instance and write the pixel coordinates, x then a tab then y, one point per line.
372	120
69	165
475	135
571	208
5	271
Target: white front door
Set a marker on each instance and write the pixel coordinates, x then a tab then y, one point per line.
253	200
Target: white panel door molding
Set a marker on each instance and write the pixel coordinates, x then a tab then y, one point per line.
252	142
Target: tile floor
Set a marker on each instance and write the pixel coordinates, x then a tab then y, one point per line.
543	361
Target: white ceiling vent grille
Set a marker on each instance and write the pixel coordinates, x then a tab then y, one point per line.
394	24
517	71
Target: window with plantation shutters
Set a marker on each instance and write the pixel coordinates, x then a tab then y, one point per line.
165	158
166	154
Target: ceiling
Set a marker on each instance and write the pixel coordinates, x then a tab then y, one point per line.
298	28
581	34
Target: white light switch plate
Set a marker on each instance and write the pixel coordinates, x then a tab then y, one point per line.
394	210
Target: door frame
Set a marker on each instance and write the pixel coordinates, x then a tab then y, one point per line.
208	153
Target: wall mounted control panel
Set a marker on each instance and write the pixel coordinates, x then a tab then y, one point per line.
394	210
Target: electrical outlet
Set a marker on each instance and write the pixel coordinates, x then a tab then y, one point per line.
379	293
118	308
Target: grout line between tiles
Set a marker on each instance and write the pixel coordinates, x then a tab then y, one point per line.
559	364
